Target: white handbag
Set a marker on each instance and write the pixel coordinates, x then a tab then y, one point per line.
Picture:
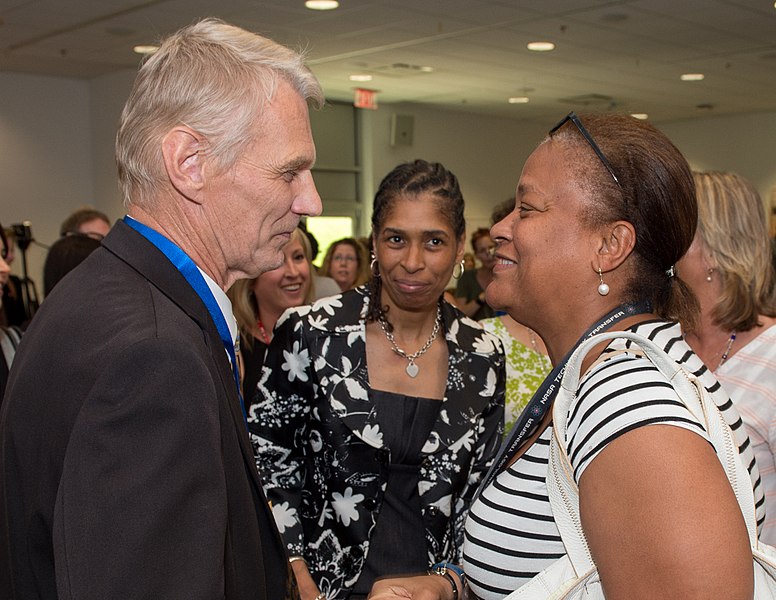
574	576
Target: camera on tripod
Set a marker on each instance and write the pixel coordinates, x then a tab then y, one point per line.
23	234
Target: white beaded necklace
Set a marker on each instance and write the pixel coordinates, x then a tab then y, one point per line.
412	368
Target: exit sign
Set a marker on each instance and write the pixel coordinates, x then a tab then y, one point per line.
365	99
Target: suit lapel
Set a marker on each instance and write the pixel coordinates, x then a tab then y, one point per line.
134	249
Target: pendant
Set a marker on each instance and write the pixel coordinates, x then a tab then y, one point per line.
412	370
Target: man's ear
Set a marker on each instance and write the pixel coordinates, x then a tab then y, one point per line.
183	160
615	245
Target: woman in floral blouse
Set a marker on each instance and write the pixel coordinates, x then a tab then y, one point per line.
379	409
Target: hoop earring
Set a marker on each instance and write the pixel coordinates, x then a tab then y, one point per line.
374	266
603	289
460	272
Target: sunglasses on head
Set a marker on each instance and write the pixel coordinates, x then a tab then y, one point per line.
572	116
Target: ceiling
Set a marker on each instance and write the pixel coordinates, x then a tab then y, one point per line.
624	55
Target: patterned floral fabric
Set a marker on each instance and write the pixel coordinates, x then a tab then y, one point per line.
526	370
319	446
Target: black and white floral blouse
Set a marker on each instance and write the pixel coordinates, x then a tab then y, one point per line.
319	446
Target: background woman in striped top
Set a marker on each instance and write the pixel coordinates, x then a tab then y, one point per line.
605	207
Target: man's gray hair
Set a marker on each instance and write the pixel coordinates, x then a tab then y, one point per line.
212	77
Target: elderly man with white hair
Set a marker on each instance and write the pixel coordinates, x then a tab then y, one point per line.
125	466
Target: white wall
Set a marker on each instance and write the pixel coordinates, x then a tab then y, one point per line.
745	144
46	167
485	153
108	96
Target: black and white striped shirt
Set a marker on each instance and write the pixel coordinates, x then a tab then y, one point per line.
510	532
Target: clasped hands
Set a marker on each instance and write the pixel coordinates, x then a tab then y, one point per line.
419	587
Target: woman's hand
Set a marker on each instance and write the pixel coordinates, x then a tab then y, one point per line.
421	587
308	590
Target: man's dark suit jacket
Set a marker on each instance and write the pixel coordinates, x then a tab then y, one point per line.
125	466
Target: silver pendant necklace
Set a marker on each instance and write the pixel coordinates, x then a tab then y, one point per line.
412	368
546	363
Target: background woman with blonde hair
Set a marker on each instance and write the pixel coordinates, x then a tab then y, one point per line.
258	303
728	267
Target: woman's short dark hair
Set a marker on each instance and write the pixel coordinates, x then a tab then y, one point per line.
407	180
65	255
74	220
656	194
478	235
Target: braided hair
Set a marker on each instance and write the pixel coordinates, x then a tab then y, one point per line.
407	180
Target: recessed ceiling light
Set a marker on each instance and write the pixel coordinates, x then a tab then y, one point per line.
640	116
321	4
541	46
692	77
360	78
519	100
145	49
426	69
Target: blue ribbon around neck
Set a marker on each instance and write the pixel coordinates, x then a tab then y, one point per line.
191	273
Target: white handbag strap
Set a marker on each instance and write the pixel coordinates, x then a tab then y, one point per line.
563	491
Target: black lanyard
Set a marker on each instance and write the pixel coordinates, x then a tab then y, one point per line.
541	402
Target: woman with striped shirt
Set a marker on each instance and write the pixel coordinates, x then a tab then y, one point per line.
605	207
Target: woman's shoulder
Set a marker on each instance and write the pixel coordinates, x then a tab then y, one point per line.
665	334
620	393
344	311
750	374
493	324
469	334
623	375
763	345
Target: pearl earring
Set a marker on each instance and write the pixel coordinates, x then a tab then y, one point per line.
708	274
603	289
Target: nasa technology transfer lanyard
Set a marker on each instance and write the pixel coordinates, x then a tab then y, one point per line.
191	273
541	401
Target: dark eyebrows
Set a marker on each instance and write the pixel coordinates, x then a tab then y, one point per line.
426	233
